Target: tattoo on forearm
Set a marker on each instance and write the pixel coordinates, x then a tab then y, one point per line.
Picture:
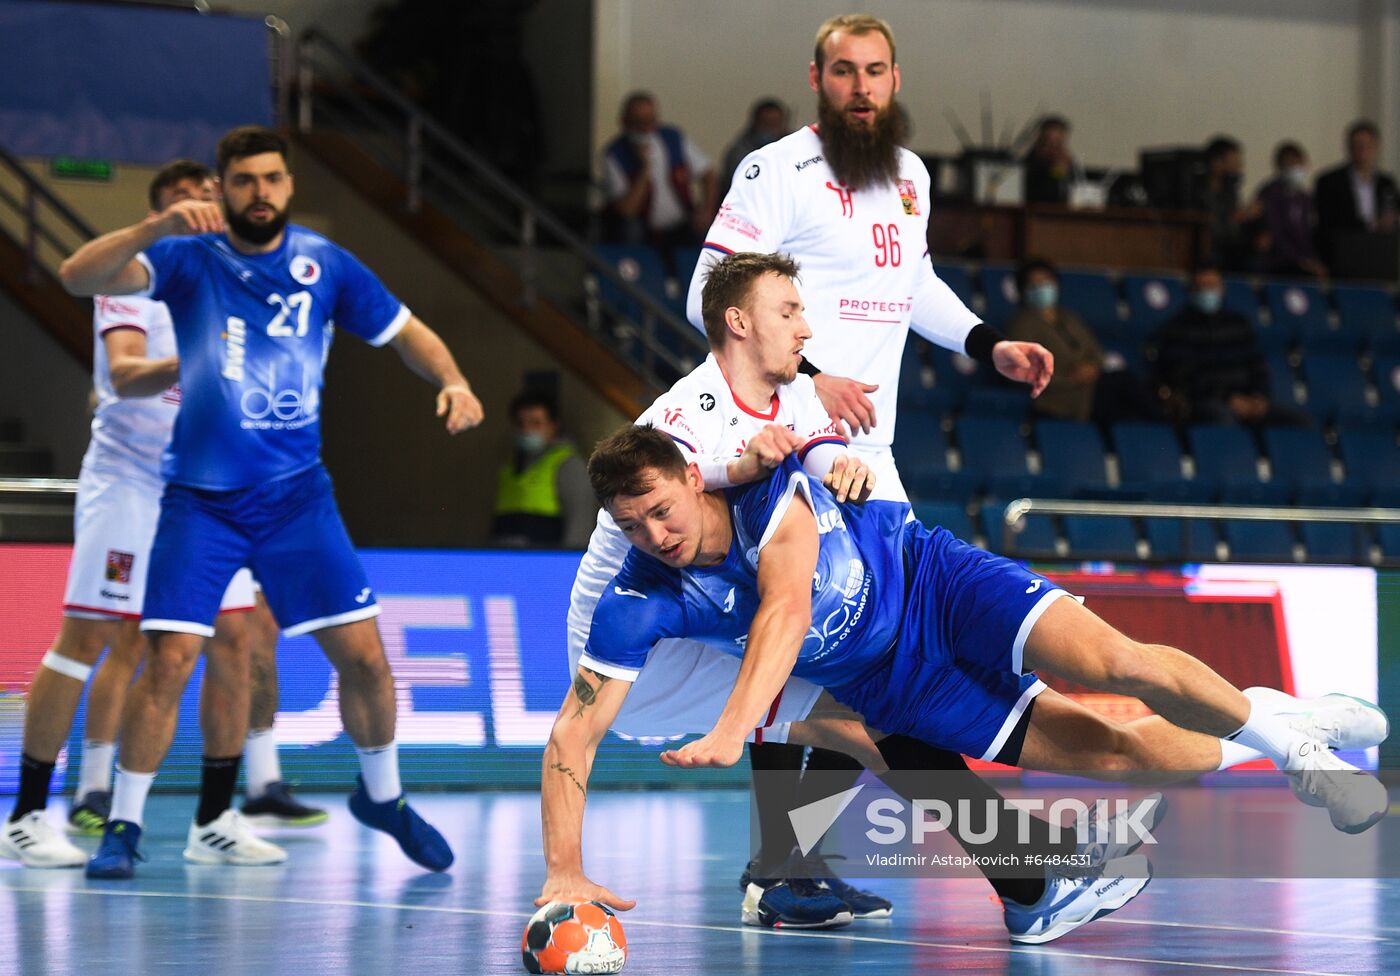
569	773
586	693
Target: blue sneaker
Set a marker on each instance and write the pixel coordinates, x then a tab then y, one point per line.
419	839
1071	902
797	903
863	904
115	857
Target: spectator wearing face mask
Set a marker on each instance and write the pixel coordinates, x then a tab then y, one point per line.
1287	217
1232	226
1210	366
543	497
1082	388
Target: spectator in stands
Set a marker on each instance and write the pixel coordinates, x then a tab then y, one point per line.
1285	240
1232	226
1081	389
1049	165
768	122
1353	198
651	173
543	497
1210	366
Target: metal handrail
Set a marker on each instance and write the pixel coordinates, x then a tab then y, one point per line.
38	486
1017	510
36	193
493	190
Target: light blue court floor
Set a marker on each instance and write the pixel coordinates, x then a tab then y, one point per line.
348	902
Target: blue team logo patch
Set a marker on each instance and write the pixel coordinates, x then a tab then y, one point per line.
305	270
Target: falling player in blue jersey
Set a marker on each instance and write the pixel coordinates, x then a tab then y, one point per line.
255	302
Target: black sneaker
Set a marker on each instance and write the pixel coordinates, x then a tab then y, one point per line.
89	815
278	808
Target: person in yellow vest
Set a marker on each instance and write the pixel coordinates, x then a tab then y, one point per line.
542	495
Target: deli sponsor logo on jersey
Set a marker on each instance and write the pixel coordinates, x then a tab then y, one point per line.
119	566
274	400
305	270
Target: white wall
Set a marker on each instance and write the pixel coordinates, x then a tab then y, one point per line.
1128	73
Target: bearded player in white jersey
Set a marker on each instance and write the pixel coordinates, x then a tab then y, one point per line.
119	489
851	205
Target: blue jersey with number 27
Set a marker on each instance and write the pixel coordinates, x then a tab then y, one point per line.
253	333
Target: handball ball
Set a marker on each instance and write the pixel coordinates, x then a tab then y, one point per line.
582	938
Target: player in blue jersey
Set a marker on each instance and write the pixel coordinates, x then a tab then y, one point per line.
255	302
912	630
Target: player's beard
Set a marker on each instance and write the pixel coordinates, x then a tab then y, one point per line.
861	155
255	231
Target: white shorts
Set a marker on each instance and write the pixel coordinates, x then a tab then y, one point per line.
114	524
682	688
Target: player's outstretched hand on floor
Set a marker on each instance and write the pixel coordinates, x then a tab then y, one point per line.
461	407
711	750
1024	362
577	888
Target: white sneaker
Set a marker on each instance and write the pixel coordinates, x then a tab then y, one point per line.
1355	799
36	843
1341	721
229	840
1119	833
1069	903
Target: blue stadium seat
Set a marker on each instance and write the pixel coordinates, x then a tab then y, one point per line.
951	515
1283	388
1298	456
1297	310
1184	540
991	447
1370	456
1333	496
1152	299
639	266
953	376
955	276
1094	298
997	401
1258	493
1259	541
920	444
1388	538
1333	542
686	260
1370	311
1241	297
1100	537
1072	453
1224	455
1036	537
1336	389
1387	374
998	283
1148	455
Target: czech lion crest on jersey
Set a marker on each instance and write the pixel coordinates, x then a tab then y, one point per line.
909	197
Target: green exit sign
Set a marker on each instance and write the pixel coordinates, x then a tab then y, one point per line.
72	168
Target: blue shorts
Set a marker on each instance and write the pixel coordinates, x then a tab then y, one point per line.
287	531
954	676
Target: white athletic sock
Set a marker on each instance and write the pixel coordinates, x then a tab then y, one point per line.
1270	734
379	767
129	795
1234	753
95	773
260	764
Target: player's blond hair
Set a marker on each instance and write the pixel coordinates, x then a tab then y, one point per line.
852	24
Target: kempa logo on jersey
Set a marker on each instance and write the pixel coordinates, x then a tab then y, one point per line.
267	407
807	162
